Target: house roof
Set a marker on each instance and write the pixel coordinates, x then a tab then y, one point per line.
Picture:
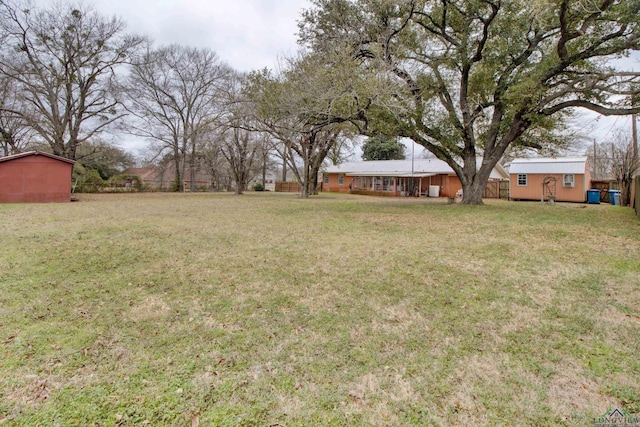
542	165
36	153
148	173
421	168
165	174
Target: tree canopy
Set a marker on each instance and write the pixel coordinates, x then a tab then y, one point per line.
381	147
308	106
468	78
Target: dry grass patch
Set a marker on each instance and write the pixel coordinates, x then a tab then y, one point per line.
151	308
571	391
265	309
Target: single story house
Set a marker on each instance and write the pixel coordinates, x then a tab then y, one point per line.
163	178
35	176
563	179
428	177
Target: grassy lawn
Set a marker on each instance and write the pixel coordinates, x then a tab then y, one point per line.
264	309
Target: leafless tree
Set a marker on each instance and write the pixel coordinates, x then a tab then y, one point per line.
62	60
599	154
624	164
215	164
617	159
241	148
266	149
177	95
15	133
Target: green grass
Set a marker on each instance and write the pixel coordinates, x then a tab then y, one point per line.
264	309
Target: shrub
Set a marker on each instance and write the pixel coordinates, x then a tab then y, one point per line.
258	187
126	182
89	182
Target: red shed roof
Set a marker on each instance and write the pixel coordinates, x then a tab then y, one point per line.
36	153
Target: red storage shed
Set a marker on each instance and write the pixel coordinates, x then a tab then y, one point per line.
35	177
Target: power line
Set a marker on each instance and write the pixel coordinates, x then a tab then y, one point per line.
612	126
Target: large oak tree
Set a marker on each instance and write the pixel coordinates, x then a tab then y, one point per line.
470	78
308	106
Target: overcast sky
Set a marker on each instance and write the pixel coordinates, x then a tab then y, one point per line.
247	34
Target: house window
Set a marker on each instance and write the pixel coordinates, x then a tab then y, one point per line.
340	179
357	182
522	180
326	178
569	180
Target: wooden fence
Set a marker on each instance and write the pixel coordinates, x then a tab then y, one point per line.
492	190
287	187
496	190
504	189
604	185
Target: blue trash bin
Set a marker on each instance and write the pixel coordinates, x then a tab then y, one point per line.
593	197
614	196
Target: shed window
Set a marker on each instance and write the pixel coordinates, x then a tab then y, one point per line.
522	179
340	178
326	178
569	180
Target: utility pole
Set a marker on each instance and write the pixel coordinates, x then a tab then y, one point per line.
634	136
595	160
634	133
635	163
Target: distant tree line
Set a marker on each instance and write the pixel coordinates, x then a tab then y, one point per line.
69	77
462	78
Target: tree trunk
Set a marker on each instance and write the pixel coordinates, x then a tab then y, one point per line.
178	179
313	184
625	192
304	188
240	178
284	169
192	164
192	177
304	185
264	171
183	169
301	180
472	193
474	182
